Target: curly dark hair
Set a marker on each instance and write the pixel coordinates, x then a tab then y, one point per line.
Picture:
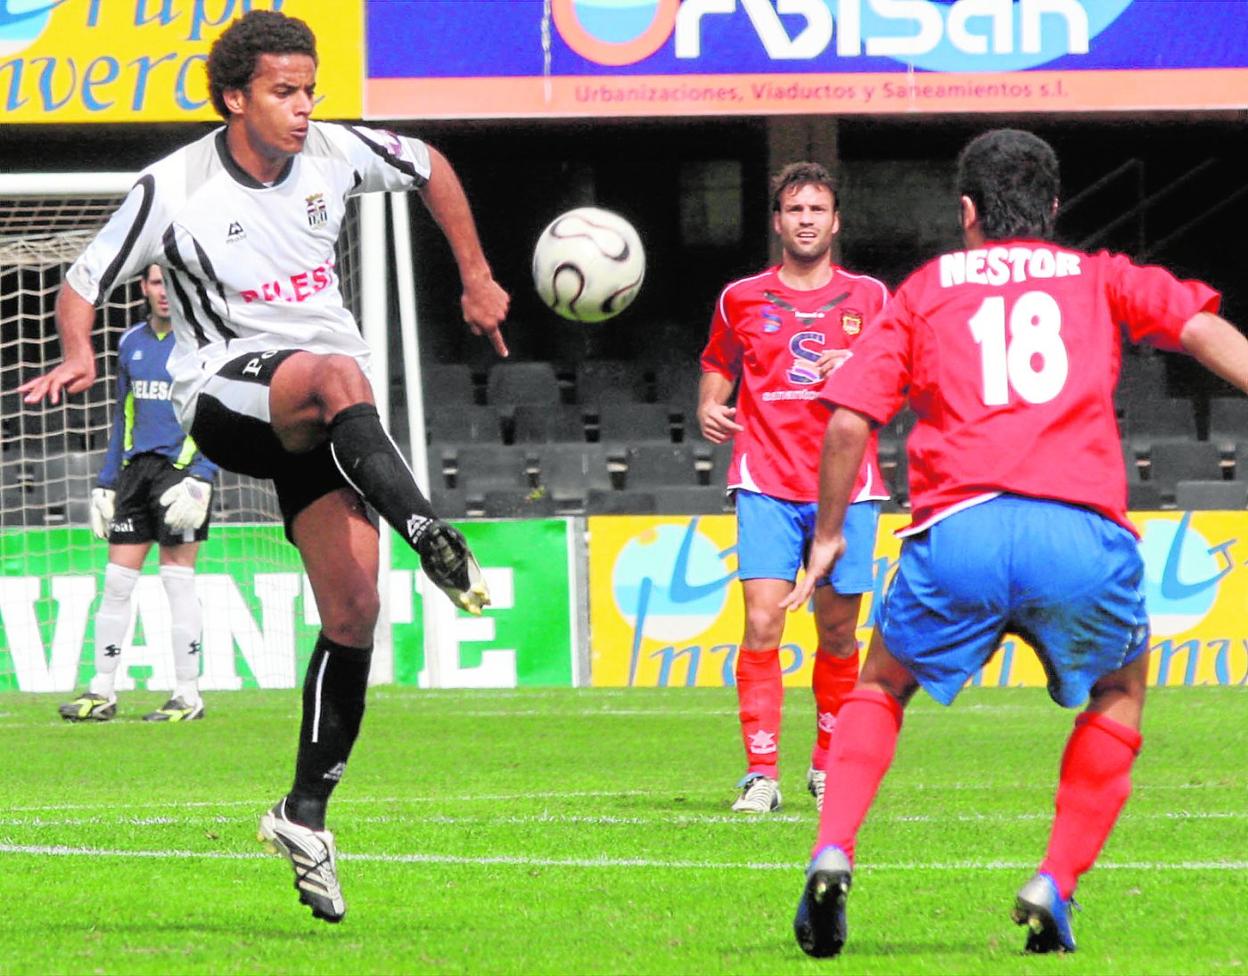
801	174
1012	178
232	60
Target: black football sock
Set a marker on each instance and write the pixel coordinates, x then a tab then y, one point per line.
368	459
333	705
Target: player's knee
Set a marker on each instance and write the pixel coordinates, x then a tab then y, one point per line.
839	641
763	626
351	616
119	582
340	383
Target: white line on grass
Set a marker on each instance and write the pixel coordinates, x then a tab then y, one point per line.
607	820
608	862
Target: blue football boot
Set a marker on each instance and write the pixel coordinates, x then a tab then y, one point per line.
820	924
1046	914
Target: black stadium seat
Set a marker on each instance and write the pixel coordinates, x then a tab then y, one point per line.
513	383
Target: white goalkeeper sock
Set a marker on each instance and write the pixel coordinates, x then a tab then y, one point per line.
111	621
187	624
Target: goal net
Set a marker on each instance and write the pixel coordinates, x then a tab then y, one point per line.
259	619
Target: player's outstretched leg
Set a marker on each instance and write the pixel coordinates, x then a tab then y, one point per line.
314	858
1041	907
820	925
373	466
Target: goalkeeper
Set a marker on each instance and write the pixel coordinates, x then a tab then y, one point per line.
155	486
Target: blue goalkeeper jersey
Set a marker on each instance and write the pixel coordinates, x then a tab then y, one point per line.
143	418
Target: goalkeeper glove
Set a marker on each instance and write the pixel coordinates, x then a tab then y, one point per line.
102	504
187	503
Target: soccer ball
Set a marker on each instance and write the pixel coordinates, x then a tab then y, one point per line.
588	264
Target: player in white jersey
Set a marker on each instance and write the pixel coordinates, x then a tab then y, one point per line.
269	374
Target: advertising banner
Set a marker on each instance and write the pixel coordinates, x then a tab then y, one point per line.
143	60
666	610
601	58
260	619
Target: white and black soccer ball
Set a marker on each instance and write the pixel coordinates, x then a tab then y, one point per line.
588	264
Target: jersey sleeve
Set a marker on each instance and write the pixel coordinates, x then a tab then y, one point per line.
111	470
381	159
874	379
1152	303
202	468
127	244
723	349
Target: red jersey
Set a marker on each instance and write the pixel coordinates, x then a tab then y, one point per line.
770	335
1009	355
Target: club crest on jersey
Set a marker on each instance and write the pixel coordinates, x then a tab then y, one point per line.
851	322
771	320
235	232
317	211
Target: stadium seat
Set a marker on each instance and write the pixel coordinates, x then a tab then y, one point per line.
514	383
630	423
1228	422
1160	421
517	503
449	503
599	502
1217	495
1143	496
443	383
465	422
1141	380
677	382
610	381
569	472
715	458
1173	461
476	468
652	465
691	500
534	424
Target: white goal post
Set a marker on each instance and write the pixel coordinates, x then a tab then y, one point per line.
51	455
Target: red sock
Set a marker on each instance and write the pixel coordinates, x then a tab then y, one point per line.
760	696
1095	783
834	678
860	753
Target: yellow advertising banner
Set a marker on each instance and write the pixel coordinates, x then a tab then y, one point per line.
143	60
665	609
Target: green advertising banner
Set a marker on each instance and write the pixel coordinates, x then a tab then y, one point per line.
260	619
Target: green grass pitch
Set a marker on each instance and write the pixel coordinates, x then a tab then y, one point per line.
560	831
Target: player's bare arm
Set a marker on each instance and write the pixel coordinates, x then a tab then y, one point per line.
830	359
1219	347
844	444
715	417
75	317
484	301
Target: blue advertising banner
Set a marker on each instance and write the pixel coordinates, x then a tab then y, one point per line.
500	58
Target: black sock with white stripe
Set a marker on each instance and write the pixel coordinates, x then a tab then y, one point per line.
333	706
368	459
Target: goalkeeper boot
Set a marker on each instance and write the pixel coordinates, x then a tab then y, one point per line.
447	560
820	924
759	794
89	707
816	783
176	709
1041	907
314	858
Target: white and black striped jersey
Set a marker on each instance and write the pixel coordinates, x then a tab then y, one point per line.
248	266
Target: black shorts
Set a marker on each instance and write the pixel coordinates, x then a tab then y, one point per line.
138	515
232	428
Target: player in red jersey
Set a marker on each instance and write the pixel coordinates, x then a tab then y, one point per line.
1009	353
780	333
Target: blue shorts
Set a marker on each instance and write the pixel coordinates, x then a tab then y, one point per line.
1065	579
773	536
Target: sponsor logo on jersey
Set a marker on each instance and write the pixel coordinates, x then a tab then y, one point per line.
138	355
318	213
851	322
235	233
152	389
297	288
